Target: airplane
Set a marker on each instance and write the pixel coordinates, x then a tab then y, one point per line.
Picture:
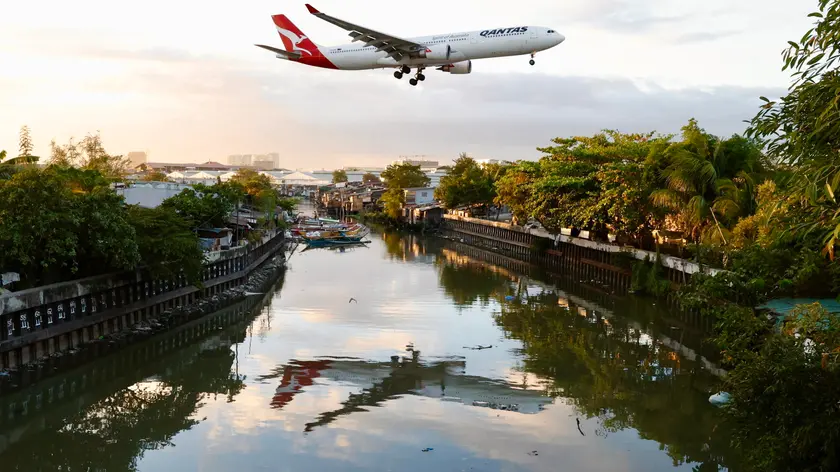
452	53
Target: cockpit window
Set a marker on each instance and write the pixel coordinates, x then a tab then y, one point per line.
551	31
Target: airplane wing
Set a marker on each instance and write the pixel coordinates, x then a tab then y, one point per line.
289	54
394	46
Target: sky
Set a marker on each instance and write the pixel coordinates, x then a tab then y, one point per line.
183	81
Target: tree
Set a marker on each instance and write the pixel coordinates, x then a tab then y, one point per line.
579	183
155	176
399	177
206	206
404	175
339	176
370	178
54	227
466	184
9	166
89	153
706	182
166	242
514	189
26	147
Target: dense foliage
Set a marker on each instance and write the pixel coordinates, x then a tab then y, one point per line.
64	221
339	176
399	177
467	183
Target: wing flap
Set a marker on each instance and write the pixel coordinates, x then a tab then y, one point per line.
396	47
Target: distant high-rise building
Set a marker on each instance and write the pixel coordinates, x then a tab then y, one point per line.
239	160
136	158
416	161
275	158
263	164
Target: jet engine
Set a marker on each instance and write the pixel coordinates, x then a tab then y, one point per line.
463	67
438	52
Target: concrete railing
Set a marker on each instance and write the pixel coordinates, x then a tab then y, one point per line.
46	319
675	263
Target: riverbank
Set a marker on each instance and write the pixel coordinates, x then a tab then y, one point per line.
561	351
263	275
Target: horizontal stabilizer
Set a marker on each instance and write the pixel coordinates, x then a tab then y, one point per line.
282	52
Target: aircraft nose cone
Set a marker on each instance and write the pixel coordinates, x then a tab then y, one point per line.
560	38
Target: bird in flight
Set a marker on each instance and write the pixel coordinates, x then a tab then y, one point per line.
352	300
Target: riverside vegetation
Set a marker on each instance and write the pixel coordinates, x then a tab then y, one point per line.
762	206
65	221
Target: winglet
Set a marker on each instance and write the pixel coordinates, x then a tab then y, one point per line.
312	9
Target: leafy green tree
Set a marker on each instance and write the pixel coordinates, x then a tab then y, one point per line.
90	154
466	184
155	176
581	183
205	206
52	228
107	241
370	178
339	176
399	177
802	129
38	235
9	166
514	189
166	242
706	182
404	175
288	204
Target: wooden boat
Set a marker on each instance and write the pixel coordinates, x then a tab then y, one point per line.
335	237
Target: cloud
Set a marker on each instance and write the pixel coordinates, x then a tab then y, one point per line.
208	102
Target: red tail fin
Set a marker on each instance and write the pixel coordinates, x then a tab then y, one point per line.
293	38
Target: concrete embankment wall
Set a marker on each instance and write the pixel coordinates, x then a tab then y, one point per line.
42	404
608	264
43	321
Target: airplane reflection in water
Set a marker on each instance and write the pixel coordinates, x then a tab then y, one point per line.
443	379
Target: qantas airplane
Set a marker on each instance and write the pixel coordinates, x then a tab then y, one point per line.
451	53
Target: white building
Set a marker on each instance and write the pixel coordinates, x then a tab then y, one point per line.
150	194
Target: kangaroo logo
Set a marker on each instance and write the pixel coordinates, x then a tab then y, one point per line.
294	39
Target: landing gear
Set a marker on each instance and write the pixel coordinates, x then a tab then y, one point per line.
413	82
405	69
532	62
419	76
398	74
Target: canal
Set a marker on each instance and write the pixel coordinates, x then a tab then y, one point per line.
411	354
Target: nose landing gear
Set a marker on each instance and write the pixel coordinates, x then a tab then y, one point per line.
532	62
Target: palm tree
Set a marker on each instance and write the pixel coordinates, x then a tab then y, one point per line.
707	182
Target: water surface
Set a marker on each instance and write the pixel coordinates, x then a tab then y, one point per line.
446	358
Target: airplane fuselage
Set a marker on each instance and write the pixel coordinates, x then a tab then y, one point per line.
466	46
371	49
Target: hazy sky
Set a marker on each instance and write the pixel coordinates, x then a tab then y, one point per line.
183	81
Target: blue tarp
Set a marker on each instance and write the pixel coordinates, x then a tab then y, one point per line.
782	306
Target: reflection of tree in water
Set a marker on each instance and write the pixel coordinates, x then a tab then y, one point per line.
404	247
113	432
466	280
623	377
604	367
